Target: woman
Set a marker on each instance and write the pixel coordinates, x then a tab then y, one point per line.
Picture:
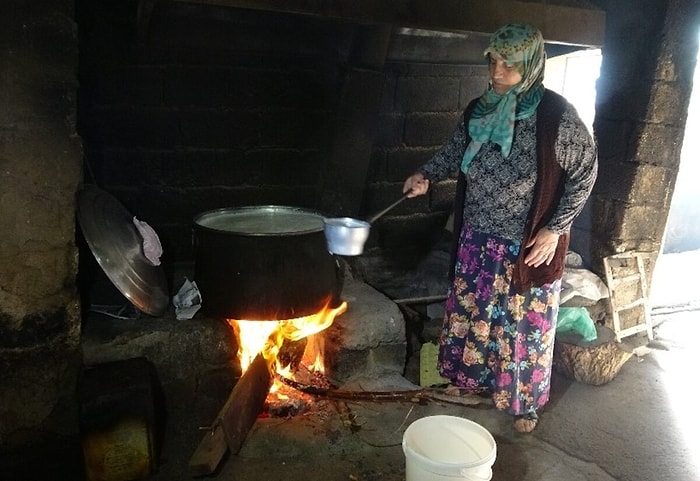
526	165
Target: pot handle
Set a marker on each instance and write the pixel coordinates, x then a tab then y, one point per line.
387	209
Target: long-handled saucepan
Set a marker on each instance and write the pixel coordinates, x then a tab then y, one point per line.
347	236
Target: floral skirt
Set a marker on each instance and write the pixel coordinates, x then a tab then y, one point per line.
494	339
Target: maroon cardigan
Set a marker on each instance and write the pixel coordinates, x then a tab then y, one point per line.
548	190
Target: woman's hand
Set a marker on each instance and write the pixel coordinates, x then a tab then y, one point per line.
542	248
416	185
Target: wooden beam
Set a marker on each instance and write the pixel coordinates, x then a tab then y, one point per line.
566	24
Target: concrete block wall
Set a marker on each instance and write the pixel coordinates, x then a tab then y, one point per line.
213	108
641	109
226	107
423	103
229	107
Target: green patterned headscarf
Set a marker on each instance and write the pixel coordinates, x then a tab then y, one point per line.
494	115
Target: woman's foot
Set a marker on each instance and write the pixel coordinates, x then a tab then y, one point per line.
526	424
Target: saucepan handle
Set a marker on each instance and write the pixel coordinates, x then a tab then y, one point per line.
387	209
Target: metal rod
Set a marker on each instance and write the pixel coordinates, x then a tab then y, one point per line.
384	211
420	300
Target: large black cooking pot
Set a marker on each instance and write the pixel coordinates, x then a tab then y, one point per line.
264	263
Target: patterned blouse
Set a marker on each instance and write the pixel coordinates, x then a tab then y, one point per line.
499	191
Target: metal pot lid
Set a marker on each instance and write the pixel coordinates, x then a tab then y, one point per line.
118	247
264	220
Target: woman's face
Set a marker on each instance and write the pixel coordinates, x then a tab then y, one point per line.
504	76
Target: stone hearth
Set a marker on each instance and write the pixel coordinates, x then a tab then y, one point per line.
198	355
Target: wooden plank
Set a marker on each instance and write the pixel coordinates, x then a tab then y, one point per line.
632	279
209	453
630	305
234	420
245	403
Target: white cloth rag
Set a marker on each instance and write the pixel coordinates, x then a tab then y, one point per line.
151	244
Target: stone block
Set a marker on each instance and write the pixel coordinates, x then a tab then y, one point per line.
389	130
658	144
402	162
473	86
377	168
613	139
642	222
388	103
220	129
668	104
372	363
430	129
302	129
181	350
423	229
369	339
383	195
140	86
433	94
143	128
202	86
154	167
651	182
271	167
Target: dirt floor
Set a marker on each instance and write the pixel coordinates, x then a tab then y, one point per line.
639	427
628	429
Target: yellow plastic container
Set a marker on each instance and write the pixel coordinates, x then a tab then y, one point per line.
118	420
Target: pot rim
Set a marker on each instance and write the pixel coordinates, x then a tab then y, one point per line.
346	223
308	221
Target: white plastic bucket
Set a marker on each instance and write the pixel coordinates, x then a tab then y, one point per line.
447	448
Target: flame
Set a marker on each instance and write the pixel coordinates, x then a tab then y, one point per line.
266	337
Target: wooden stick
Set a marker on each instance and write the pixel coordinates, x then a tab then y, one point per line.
448	395
234	420
420	300
348	419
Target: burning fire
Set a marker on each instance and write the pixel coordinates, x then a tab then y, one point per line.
267	337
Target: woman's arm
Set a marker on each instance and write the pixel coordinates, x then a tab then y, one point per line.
578	155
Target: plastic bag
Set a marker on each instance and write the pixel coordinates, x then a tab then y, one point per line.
577	319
